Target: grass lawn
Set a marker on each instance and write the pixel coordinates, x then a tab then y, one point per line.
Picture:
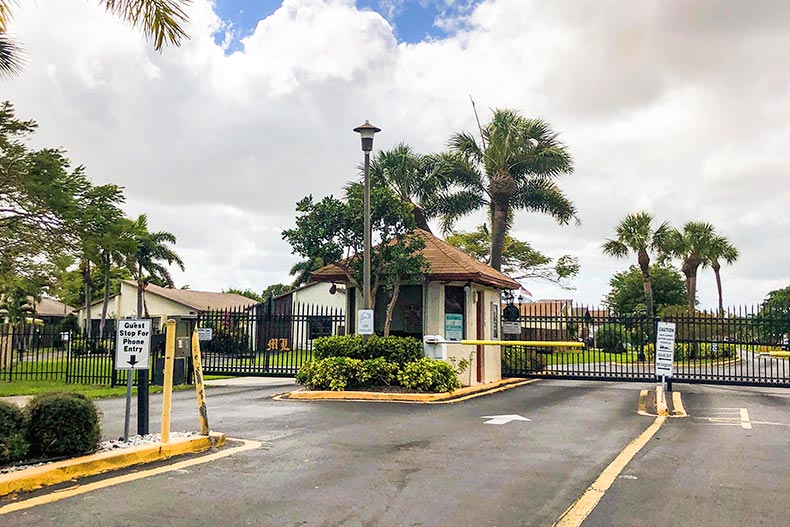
94	391
588	356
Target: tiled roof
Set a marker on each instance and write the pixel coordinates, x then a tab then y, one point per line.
447	263
49	307
197	299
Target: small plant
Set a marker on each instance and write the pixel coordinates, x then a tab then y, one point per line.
429	375
521	359
13	445
62	424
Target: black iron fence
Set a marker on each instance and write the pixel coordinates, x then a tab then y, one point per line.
733	347
31	352
266	339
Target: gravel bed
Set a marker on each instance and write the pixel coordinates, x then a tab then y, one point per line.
105	446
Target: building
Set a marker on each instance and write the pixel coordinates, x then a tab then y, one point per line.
458	299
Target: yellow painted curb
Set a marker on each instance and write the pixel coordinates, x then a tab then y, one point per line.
480	389
661	402
677	404
642	407
70	469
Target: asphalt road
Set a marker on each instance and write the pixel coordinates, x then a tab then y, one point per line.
370	464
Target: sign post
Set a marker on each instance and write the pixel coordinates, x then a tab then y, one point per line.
665	351
365	321
132	351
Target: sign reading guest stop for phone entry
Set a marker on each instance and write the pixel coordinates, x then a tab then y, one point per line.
133	344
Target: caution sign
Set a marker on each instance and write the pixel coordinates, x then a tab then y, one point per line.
665	349
133	344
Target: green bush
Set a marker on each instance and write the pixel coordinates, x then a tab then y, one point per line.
429	375
62	424
519	359
338	346
377	372
331	373
611	338
399	350
13	445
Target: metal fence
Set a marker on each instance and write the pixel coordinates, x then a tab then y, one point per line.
266	339
715	348
30	352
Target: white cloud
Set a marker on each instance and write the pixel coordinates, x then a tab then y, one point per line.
677	107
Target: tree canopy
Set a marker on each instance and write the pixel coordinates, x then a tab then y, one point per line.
627	294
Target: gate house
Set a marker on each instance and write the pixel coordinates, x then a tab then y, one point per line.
459	299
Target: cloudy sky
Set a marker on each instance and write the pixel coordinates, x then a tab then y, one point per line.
681	108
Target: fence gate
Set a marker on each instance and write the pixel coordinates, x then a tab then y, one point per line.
265	339
738	347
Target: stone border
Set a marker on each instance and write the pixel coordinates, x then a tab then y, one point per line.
93	464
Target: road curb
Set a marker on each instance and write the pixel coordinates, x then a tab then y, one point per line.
93	464
456	395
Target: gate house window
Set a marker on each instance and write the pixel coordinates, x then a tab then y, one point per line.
454	312
319	326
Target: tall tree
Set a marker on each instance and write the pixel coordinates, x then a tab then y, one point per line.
636	233
413	177
331	230
160	20
116	245
513	166
721	248
627	291
303	269
148	261
691	245
519	259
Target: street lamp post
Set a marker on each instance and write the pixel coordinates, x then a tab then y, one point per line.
366	132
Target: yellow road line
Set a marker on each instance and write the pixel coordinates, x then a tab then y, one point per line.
581	508
82	489
677	403
745	422
642	408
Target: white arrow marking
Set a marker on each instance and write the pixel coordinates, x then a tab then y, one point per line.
503	419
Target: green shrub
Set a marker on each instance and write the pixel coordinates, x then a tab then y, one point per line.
377	372
338	346
331	373
399	350
429	375
520	359
13	445
62	424
611	338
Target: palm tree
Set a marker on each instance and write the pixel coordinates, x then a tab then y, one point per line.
720	248
412	177
635	233
303	269
512	167
116	248
691	245
145	264
160	21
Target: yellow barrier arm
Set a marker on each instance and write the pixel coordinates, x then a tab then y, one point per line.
200	390
782	354
536	343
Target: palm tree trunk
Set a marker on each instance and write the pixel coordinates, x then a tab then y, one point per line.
86	276
498	233
692	289
106	300
391	308
717	271
140	291
644	266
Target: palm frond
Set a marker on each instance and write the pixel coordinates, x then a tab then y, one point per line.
11	56
160	20
453	206
543	195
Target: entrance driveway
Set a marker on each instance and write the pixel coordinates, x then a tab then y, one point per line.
355	464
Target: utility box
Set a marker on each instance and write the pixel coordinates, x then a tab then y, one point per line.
434	347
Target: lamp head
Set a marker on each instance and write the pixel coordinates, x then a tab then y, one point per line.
366	132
